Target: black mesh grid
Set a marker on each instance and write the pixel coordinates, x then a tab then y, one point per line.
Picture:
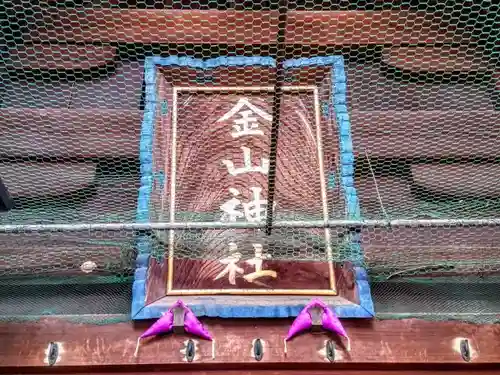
423	84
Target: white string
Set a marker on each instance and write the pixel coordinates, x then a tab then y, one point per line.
348	344
213	349
286	349
137	347
384	212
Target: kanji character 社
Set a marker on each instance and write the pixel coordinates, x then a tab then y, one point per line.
231	268
257	261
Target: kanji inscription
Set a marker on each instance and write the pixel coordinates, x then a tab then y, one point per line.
220	161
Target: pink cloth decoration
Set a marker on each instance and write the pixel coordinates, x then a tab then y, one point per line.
329	321
332	323
193	325
166	323
302	322
163	325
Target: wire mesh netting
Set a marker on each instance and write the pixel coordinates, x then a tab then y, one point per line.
413	197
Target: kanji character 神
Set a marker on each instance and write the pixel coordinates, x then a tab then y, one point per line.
253	211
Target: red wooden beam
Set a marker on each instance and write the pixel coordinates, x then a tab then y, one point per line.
436	59
412	342
66	132
60	56
368	27
46	179
426	134
58	132
461	179
242	27
60	255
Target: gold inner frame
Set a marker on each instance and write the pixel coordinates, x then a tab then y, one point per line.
170	267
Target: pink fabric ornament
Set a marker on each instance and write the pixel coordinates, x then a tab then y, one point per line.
193	326
165	324
329	321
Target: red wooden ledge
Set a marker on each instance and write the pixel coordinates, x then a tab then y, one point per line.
411	342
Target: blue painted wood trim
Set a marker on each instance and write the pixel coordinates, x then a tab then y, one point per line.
210	309
143	244
346	178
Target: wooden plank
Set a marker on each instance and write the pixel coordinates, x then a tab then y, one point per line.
114	200
368	370
56	254
421	251
400	201
414	342
368	27
466	250
60	56
435	59
62	133
157	26
399	134
30	180
59	254
370	89
242	27
426	134
121	88
462	180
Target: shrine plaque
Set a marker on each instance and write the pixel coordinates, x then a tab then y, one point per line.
205	153
217	144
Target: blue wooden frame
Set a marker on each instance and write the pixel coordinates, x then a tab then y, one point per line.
140	310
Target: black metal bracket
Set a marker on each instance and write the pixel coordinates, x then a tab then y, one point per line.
190	351
258	350
465	350
330	350
6	201
52	353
